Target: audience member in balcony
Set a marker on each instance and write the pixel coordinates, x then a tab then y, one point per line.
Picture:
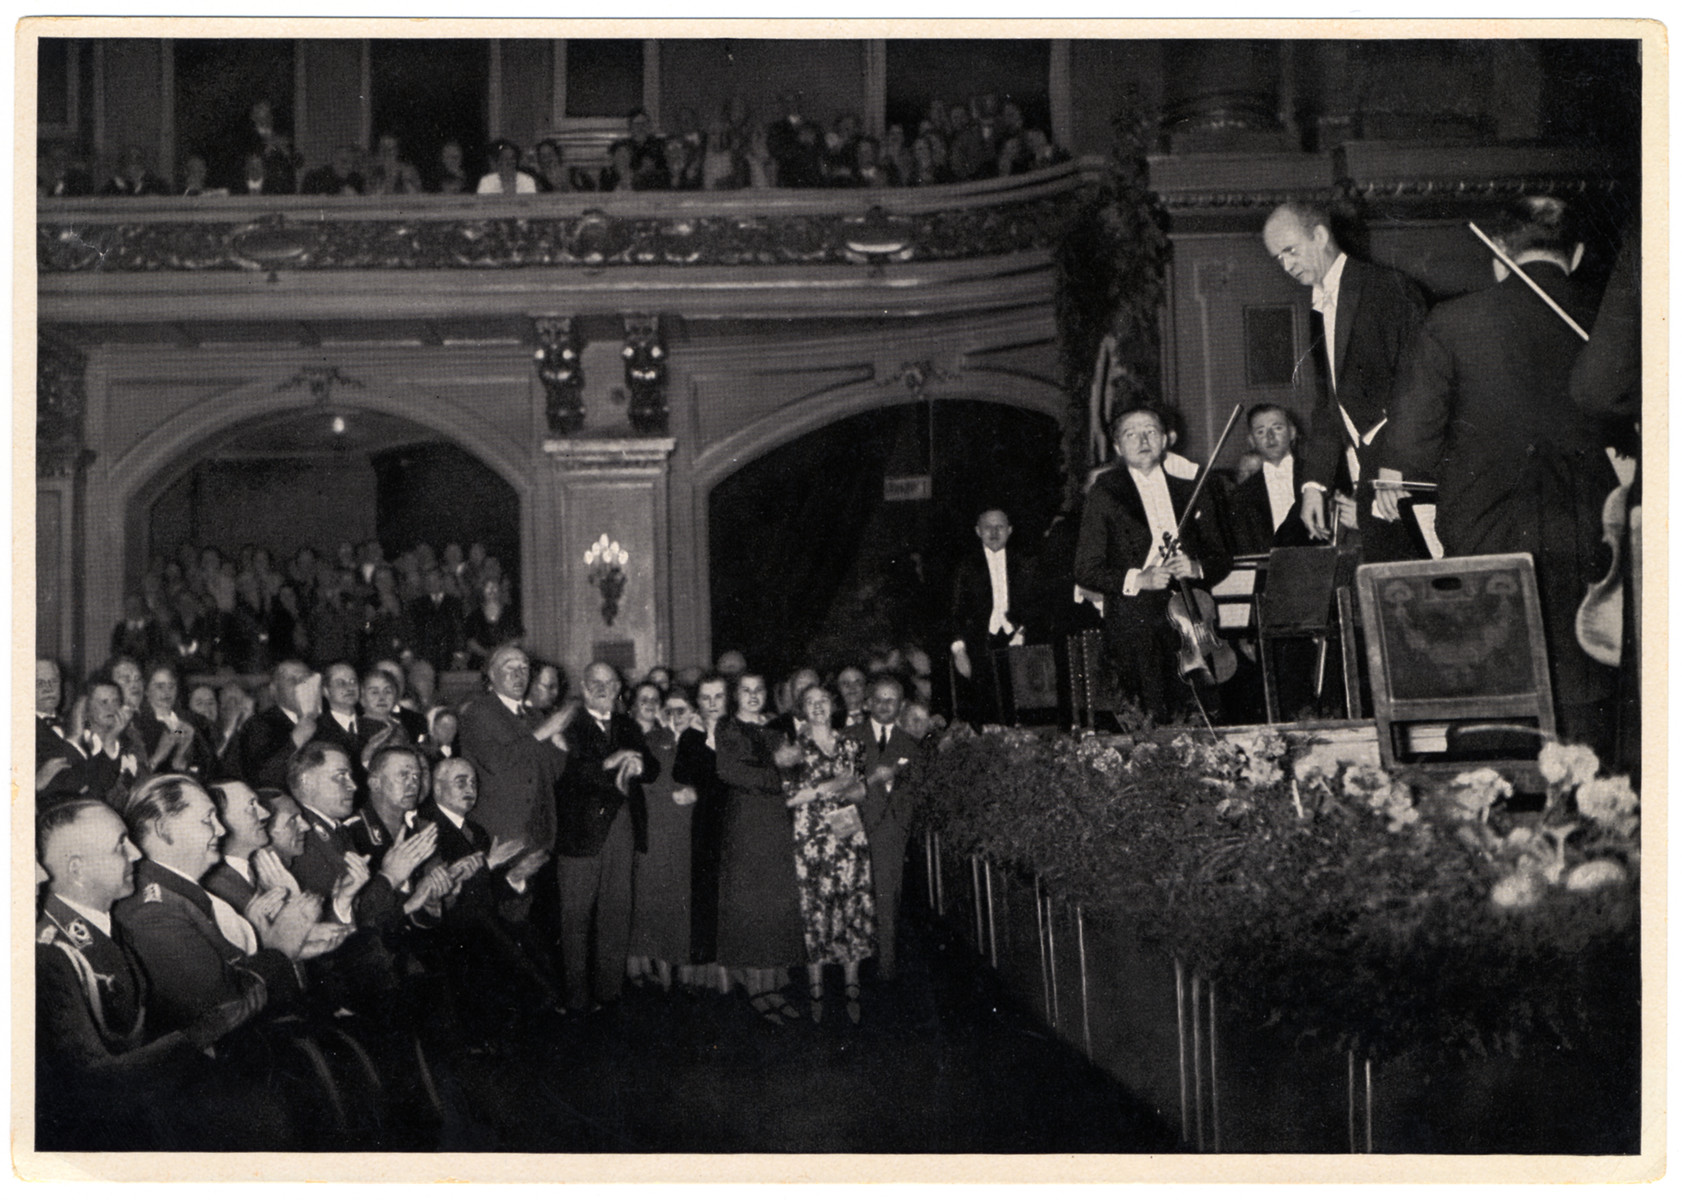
273	148
872	170
722	166
551	172
928	164
756	159
683	166
839	159
792	144
688	128
648	150
507	179
984	116
1039	150
132	178
896	155
195	177
254	179
451	179
60	176
738	120
619	175
490	625
391	174
1011	123
966	150
336	178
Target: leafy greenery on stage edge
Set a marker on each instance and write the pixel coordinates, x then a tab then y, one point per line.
1380	913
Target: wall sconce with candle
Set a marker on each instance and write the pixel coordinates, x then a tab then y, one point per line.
606	560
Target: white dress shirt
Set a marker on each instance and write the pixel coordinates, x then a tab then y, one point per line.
1325	303
1159	512
997	621
1281	499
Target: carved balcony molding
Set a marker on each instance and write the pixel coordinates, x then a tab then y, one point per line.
669	229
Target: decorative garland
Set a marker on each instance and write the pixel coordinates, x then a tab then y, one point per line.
1111	265
1378	912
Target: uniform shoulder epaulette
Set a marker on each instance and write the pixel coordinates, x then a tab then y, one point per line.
154	894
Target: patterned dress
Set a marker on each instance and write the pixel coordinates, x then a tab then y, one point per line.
837	906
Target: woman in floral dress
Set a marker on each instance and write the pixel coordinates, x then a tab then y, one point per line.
831	853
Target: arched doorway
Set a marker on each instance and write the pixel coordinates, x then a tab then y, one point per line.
318	479
810	562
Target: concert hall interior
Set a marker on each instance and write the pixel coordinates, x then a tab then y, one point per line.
672	355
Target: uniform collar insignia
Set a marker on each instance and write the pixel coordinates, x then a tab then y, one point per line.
154	894
78	931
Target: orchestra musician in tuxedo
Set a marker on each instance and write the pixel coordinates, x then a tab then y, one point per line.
1120	554
990	595
1366	316
1483	406
1264	510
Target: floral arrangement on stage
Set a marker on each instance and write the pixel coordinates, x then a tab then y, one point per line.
1381	911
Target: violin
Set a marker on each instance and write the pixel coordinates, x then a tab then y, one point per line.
1600	617
1204	656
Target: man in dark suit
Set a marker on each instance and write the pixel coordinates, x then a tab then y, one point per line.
1483	405
1264	511
234	879
336	178
435	618
496	960
103	1082
886	815
260	751
987	615
603	822
1365	317
1120	555
140	635
55	742
197	952
517	758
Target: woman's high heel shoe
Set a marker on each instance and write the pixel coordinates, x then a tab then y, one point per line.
816	992
854	1014
767	1005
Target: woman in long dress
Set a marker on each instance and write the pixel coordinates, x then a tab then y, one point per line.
831	852
759	926
660	876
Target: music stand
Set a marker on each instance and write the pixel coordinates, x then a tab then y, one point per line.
1295	602
1458	663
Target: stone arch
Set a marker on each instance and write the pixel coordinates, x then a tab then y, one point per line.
719	461
118	495
810	413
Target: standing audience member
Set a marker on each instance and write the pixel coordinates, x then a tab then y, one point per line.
886	749
831	853
603	823
514	753
660	920
697	767
759	927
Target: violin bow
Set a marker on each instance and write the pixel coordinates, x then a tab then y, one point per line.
1534	286
1203	472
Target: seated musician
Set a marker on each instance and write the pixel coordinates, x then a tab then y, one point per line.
1120	554
1265	510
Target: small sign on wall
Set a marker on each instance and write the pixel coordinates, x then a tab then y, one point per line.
907	487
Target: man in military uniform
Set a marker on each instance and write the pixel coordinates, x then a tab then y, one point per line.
100	1083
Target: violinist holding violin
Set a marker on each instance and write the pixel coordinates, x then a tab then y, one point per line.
1130	510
